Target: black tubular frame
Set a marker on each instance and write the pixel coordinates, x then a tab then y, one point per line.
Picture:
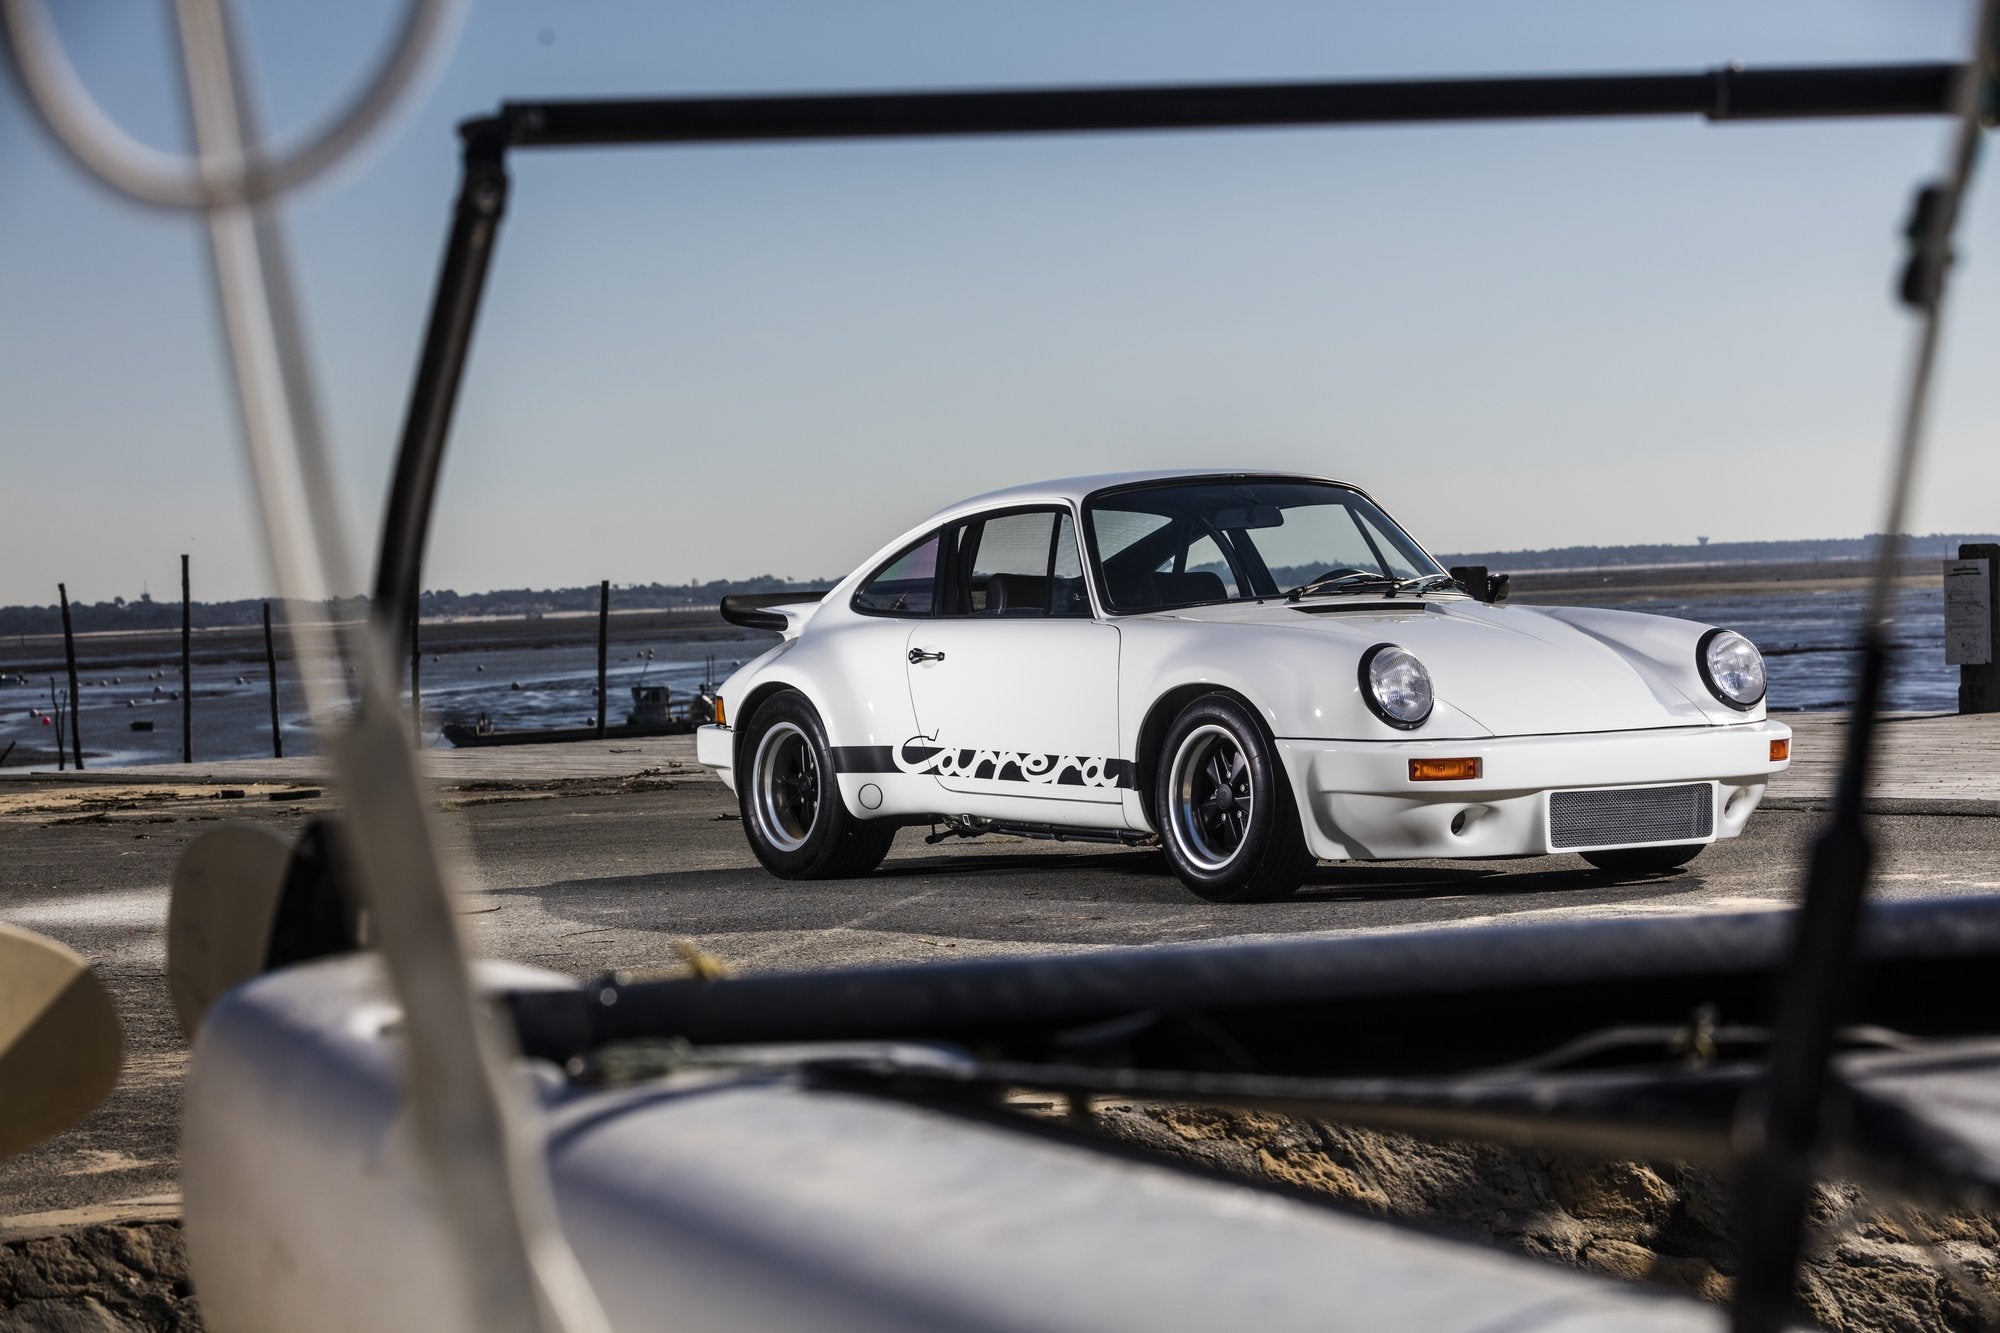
1821	947
1724	93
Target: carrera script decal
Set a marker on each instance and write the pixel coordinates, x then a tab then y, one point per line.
922	756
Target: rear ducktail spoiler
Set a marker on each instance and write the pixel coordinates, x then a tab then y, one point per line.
786	612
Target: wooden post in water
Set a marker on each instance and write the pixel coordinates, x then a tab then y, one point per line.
416	674
271	671
187	669
603	646
56	712
75	706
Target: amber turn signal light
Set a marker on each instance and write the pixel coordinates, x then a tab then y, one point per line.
718	712
1443	770
1780	751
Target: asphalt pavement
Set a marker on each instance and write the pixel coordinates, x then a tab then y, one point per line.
582	876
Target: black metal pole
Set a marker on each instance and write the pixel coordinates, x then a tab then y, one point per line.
482	201
271	673
187	669
603	647
1783	1117
1726	93
75	706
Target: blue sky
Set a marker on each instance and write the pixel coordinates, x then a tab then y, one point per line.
729	361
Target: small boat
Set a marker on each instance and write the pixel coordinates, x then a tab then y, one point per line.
651	715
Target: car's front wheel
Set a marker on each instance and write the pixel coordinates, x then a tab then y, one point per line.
1225	810
792	811
1644	860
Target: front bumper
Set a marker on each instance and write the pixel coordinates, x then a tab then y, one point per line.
715	747
1356	800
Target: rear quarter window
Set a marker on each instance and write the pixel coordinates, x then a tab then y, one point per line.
906	586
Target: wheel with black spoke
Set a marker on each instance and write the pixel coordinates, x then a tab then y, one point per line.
792	810
1225	809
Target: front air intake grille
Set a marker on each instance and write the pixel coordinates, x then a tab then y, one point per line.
1620	816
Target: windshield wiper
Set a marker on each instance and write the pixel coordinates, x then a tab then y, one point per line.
1356	579
1426	582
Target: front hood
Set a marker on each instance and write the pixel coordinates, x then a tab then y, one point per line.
1513	670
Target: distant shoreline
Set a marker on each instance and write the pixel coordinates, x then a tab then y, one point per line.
42	654
38	655
1626	583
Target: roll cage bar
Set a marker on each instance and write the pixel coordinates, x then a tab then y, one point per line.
1780	1122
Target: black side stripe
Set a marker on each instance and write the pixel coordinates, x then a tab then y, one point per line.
864	759
989	765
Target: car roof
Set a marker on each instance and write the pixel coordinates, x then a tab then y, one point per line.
1065	489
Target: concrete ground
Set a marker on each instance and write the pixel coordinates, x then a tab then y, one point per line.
601	857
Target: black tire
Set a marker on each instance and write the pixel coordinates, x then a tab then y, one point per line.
792	811
1224	808
1643	860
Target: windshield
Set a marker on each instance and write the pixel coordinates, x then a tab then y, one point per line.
1187	543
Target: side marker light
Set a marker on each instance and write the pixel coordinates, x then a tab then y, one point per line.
1443	770
719	712
1781	751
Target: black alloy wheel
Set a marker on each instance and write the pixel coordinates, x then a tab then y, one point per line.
793	815
1224	807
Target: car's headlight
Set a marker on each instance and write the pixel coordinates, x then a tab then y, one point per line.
1396	686
1731	667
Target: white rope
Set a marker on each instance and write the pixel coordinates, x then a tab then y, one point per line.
149	176
478	1137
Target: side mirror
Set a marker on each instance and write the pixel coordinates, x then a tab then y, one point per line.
1484	587
60	1048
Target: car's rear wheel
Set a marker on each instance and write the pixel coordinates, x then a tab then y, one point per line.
1643	860
1225	810
792	811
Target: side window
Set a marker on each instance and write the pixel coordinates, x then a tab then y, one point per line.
906	586
1021	564
1008	573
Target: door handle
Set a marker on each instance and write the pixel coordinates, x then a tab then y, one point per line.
919	655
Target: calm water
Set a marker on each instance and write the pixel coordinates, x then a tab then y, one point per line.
549	686
1806	639
1804	636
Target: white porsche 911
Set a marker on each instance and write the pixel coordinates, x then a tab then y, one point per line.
1260	671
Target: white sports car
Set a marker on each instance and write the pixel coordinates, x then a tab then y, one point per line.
1259	671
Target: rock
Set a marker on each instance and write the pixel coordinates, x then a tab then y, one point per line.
1636	1263
119	1276
1866	1270
82	1315
1612	1192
